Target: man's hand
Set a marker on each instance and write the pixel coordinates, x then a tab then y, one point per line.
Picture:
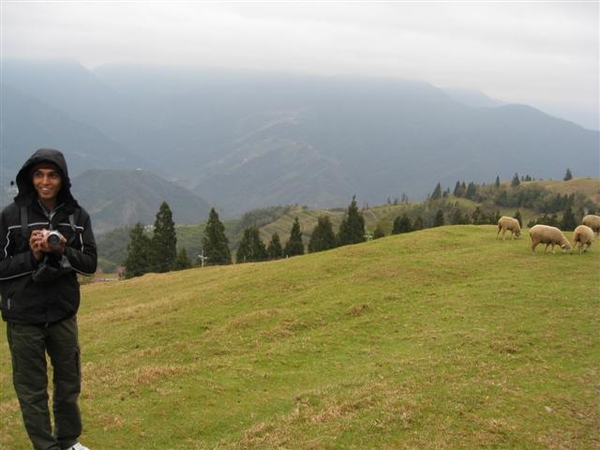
39	245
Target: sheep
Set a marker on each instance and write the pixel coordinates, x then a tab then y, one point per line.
592	221
583	236
508	223
548	235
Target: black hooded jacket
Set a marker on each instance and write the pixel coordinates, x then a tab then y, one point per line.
46	291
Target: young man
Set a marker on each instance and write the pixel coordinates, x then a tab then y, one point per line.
46	239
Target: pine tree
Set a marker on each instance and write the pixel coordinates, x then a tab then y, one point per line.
251	247
378	232
294	246
322	237
215	244
471	191
274	249
139	250
438	221
182	261
402	225
515	181
459	190
352	228
497	183
418	224
568	221
437	192
568	175
458	218
518	217
164	241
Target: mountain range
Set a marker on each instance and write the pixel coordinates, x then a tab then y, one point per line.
242	140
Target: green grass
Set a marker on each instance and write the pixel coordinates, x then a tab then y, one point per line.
441	339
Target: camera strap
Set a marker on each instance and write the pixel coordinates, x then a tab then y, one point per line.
25	225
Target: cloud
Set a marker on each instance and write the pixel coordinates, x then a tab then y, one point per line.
541	53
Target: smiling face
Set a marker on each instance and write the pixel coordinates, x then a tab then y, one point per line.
47	182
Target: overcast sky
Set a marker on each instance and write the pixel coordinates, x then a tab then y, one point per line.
545	54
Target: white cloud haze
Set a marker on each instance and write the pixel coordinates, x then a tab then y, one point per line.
545	54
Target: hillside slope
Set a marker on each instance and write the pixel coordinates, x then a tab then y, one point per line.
116	198
444	338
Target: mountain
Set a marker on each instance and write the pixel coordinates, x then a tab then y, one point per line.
243	140
115	198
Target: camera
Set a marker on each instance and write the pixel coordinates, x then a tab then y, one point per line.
51	237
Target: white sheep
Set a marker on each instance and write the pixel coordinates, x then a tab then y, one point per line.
508	223
583	236
544	234
592	221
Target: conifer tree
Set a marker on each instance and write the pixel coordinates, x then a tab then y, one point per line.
294	246
471	191
251	247
515	181
322	237
274	249
497	183
568	221
458	218
182	261
568	175
378	232
437	192
402	225
459	190
438	221
164	241
479	217
418	224
215	244
352	228
139	251
518	217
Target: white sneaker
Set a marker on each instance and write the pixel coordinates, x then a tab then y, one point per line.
78	446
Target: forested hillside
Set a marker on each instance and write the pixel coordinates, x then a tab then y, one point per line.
560	203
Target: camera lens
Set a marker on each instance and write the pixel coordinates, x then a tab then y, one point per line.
53	239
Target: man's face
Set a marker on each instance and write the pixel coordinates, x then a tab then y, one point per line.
47	182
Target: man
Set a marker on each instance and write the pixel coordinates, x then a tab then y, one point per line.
46	239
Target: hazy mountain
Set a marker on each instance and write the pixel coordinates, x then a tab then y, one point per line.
115	198
243	140
29	124
476	99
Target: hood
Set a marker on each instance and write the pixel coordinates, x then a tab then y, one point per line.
26	190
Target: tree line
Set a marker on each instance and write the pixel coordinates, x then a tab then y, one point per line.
158	253
154	249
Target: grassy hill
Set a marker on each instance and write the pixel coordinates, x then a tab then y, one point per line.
590	187
444	338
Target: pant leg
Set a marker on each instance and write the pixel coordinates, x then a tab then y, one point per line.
27	345
63	348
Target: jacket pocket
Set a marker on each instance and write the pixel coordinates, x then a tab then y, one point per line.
9	290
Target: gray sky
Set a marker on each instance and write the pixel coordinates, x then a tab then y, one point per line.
545	54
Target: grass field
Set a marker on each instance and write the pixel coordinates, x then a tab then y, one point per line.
444	338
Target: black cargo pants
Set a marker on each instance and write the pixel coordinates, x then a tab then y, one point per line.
29	345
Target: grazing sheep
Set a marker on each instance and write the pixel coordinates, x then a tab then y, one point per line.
544	234
508	223
592	221
583	236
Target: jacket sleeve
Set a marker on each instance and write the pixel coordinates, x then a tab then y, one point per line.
82	253
13	264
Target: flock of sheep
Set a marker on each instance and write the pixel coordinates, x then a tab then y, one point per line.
583	236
